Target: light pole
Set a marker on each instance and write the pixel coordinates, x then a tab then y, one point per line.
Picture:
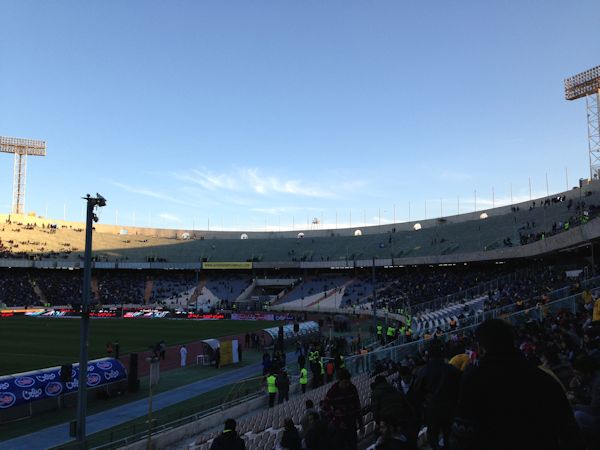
374	297
92	203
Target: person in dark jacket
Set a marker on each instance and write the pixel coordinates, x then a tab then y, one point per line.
290	440
315	435
437	387
228	439
301	361
304	421
587	414
508	403
387	403
283	386
406	386
342	404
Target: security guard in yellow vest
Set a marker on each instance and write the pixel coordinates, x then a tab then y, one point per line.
390	333
303	379
272	388
380	333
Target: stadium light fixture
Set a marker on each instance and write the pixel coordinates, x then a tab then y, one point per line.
21	148
92	204
587	84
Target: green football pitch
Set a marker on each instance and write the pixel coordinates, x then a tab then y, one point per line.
28	343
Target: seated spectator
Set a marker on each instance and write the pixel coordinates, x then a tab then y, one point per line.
229	439
560	368
392	438
507	403
290	440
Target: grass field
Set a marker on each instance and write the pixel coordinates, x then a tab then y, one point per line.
30	343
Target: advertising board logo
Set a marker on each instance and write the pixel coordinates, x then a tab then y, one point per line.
104	365
24	382
93	379
45	377
7	399
53	389
32	394
113	374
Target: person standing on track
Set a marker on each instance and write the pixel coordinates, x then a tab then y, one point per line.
183	355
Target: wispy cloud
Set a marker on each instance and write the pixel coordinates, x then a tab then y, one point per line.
209	180
254	180
170	217
150	193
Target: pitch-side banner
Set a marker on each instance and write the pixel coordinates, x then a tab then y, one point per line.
261	316
226	265
26	387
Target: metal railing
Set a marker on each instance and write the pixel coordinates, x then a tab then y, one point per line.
127	434
366	363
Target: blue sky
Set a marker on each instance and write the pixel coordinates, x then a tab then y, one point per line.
261	114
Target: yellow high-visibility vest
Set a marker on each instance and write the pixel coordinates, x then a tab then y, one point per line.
271	386
303	376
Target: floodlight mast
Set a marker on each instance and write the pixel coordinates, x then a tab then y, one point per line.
92	204
587	84
21	148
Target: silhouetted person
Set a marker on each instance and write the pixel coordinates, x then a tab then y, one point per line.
228	439
438	384
508	403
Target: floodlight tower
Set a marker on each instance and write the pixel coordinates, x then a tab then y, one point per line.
587	84
21	148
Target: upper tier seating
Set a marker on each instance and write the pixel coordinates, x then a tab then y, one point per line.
503	228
